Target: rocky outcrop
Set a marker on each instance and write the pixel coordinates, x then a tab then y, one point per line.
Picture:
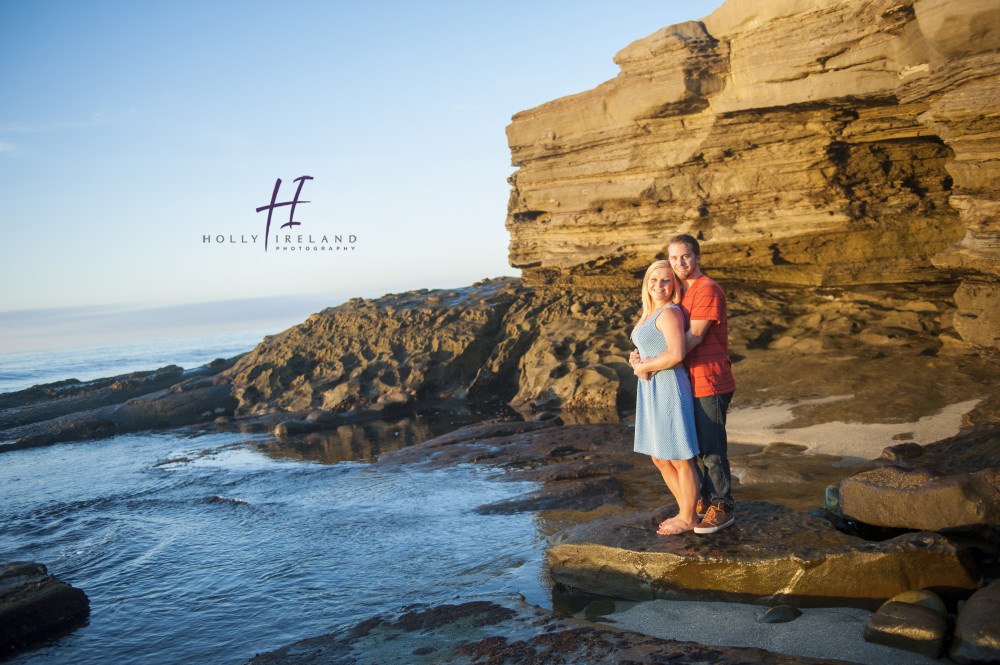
48	401
493	341
563	352
859	147
490	633
69	411
35	606
772	555
389	352
949	484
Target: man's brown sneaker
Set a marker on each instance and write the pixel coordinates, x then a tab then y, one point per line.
718	517
701	508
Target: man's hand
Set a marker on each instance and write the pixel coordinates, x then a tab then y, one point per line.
634	360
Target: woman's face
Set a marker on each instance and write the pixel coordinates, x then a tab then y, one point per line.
659	285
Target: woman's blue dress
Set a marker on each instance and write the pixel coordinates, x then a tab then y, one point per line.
664	407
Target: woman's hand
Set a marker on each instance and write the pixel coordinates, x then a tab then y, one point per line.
637	369
636	361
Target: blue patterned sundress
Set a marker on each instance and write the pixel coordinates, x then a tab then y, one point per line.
664	407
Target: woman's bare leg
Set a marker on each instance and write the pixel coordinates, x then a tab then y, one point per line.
685	489
688	486
668	470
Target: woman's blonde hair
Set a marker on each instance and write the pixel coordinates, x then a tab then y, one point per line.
647	300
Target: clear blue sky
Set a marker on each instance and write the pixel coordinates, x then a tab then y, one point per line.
130	130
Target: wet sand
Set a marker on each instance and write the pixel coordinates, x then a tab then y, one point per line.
767	424
835	632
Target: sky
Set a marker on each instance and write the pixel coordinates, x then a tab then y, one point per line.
138	139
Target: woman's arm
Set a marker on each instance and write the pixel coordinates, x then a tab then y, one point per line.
672	327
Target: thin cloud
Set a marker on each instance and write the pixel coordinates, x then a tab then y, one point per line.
101	117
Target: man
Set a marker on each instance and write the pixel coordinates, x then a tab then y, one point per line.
712	382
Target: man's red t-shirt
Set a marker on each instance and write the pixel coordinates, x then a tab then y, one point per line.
708	364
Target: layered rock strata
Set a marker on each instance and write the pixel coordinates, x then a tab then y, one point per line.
860	147
75	411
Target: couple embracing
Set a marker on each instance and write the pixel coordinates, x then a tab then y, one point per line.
685	386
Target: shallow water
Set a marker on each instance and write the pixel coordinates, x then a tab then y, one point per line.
240	550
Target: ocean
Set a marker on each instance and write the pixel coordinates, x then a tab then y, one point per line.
211	547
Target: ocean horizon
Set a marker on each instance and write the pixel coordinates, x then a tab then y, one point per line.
23	369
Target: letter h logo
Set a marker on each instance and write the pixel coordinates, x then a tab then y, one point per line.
291	213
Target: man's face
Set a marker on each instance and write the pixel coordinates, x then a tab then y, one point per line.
683	260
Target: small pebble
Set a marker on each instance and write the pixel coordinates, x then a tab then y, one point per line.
780	614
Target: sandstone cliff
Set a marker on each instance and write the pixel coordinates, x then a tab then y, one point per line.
849	146
830	142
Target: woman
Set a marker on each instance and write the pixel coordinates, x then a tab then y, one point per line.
664	408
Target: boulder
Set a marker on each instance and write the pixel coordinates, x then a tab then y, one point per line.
772	555
977	630
923	597
954	483
908	626
35	606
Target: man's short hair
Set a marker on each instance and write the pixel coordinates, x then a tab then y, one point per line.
685	239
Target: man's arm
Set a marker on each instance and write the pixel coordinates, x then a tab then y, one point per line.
696	333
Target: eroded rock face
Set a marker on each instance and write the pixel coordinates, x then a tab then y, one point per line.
367	353
546	350
771	555
949	484
858	147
